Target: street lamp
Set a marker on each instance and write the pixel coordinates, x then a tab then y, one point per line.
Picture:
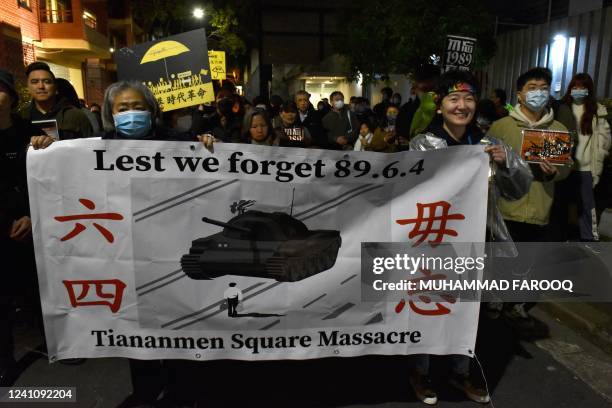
198	12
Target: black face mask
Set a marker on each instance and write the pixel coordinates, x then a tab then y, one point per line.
224	106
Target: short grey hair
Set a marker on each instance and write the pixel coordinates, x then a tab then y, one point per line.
303	93
114	89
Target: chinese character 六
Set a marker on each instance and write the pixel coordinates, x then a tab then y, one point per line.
78	227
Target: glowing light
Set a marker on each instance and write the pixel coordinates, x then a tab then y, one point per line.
557	51
198	12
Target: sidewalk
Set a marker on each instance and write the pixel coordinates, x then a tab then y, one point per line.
103	382
593	320
546	374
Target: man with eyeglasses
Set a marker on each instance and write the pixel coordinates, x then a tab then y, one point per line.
47	105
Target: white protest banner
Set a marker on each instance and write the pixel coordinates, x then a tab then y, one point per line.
137	243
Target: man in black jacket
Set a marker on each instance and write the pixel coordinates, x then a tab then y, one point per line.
309	118
15	224
380	109
47	105
340	124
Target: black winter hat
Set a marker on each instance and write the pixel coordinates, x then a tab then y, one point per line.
7	81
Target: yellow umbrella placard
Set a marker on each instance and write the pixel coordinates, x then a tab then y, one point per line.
176	69
163	50
216	60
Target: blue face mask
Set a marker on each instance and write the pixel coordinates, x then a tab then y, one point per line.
579	94
133	124
537	100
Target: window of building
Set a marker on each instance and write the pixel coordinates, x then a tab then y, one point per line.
24	4
90	19
56	11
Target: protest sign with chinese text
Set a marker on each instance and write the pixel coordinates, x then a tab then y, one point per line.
459	53
176	69
217	64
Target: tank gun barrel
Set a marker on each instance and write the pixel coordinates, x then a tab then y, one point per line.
226	225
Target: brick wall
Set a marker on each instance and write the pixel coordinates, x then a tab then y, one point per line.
10	48
26	20
98	78
16	23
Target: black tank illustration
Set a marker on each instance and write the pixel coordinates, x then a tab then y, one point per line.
262	244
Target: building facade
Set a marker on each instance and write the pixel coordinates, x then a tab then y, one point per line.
572	44
297	50
75	37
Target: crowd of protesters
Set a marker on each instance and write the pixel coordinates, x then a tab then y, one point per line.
528	202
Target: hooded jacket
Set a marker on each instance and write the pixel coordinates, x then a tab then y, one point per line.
599	142
534	207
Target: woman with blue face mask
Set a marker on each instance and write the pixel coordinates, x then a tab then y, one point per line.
130	111
580	113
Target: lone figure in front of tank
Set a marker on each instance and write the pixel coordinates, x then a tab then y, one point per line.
233	295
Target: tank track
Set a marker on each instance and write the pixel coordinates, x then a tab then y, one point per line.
191	266
291	269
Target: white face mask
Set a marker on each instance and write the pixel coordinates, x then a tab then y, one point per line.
339	104
184	123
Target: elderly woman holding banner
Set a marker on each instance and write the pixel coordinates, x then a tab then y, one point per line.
131	112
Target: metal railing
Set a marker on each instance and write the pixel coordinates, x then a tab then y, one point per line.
89	19
55	16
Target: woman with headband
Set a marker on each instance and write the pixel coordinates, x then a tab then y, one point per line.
456	99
